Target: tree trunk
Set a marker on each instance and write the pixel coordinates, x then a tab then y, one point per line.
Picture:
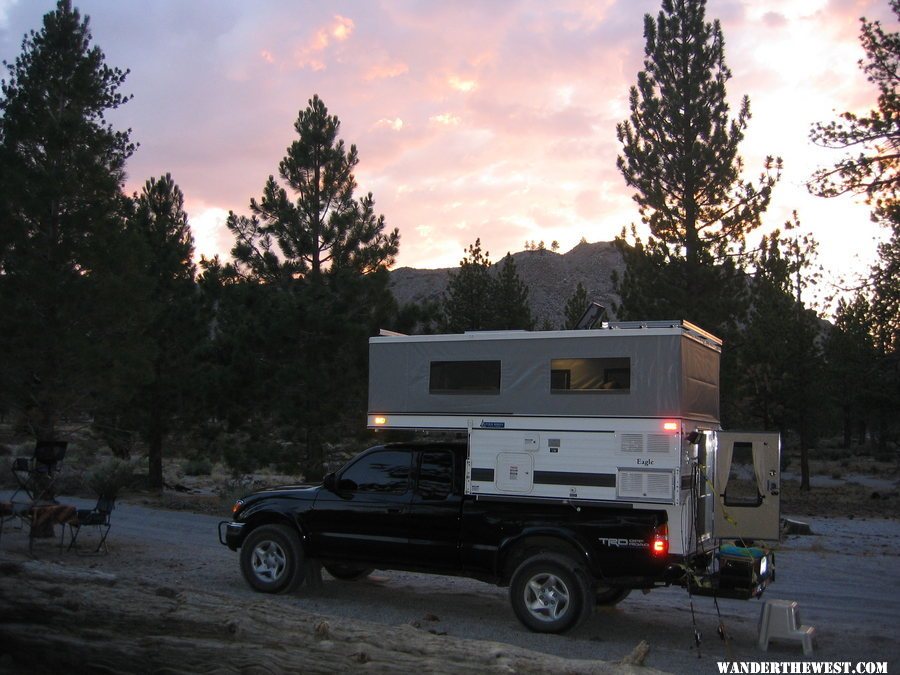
804	461
154	450
848	427
156	430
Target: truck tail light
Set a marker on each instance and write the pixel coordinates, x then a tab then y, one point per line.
659	545
670	426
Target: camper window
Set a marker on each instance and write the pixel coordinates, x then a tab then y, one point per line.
605	374
742	488
464	377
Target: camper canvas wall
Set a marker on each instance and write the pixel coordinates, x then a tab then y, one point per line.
659	370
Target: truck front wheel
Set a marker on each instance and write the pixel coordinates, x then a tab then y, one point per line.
550	593
272	559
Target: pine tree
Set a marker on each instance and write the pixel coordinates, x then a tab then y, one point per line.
575	307
325	228
317	266
509	299
852	357
680	147
176	327
872	165
468	303
680	154
781	362
70	288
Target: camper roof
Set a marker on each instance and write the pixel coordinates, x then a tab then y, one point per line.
607	329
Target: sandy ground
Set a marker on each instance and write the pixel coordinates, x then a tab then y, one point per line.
845	578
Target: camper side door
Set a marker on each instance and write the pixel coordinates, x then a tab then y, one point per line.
747	486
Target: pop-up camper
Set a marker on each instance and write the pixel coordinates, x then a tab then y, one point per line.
625	414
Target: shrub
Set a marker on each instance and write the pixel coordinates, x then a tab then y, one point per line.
197	467
111	477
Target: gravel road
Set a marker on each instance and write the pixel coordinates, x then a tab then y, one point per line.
845	578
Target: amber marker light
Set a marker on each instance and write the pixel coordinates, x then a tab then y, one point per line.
237	506
380	421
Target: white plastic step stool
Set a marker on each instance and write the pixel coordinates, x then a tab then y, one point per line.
780	620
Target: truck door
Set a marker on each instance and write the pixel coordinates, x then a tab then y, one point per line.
366	518
747	486
434	514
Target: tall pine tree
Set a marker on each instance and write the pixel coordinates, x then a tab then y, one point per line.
326	227
871	167
176	326
319	258
872	164
782	370
680	155
69	281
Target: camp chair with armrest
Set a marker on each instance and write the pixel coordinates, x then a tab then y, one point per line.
36	475
98	517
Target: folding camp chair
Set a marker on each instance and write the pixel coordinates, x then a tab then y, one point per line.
98	517
35	476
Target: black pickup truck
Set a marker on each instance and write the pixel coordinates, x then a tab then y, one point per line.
403	507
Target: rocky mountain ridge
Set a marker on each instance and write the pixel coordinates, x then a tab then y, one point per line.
551	279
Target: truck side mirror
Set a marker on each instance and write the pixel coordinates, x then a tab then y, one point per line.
329	482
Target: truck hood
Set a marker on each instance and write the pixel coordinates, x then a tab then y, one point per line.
277	498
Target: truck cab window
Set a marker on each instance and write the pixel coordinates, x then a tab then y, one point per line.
385	472
436	475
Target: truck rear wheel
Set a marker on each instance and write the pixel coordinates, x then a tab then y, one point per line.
272	559
550	593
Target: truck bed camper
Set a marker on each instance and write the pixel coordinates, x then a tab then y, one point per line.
626	414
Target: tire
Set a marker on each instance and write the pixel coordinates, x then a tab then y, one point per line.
347	572
272	559
550	593
608	596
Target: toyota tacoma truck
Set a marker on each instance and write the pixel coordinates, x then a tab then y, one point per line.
403	507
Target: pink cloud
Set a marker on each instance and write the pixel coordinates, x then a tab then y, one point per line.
386	70
310	54
520	145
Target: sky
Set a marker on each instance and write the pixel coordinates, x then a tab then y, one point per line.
482	118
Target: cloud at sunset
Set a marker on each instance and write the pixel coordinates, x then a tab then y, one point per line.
491	120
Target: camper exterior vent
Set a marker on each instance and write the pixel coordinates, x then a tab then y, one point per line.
632	442
645	485
659	442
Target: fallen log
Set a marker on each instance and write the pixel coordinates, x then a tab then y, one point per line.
54	618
